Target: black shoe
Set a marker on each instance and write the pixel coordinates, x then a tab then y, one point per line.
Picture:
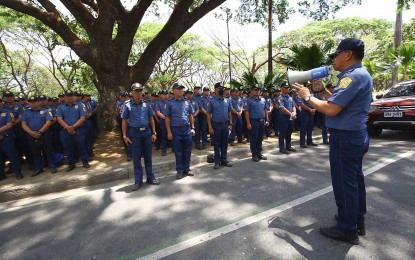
313	144
36	173
153	182
163	153
217	165
361	229
136	186
326	142
188	173
198	147
179	175
290	149
261	157
53	170
226	164
333	233
284	151
303	146
19	176
2	177
255	158
85	164
70	167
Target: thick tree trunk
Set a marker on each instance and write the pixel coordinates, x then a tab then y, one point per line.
109	86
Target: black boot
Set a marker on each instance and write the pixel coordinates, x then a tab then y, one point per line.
261	157
255	158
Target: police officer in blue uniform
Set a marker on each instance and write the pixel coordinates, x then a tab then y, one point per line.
256	119
71	116
196	110
346	109
266	96
286	119
180	129
306	117
237	112
219	124
204	100
276	112
7	144
36	122
138	117
161	107
197	97
22	146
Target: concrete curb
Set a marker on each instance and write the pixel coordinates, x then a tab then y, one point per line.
116	173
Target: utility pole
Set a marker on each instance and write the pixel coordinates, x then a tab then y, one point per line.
228	13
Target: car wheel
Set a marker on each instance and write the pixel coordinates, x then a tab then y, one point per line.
374	131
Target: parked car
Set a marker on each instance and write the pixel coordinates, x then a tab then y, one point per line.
393	110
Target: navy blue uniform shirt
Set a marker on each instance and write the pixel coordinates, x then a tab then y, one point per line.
5	118
219	108
256	107
285	101
71	114
353	93
237	104
138	114
36	119
179	111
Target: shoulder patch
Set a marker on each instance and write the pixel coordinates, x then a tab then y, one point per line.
50	114
345	82
144	104
3	114
187	103
76	107
41	112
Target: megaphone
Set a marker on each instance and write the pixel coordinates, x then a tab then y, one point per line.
303	76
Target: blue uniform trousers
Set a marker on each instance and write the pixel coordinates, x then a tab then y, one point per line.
236	129
163	136
286	129
347	149
198	132
275	114
128	149
220	141
182	147
7	148
256	135
74	144
22	146
158	131
141	145
203	128
306	127
44	142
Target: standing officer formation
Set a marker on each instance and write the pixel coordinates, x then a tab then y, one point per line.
346	109
220	124
138	117
43	129
180	129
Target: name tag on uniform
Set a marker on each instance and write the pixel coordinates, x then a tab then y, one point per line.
144	104
142	129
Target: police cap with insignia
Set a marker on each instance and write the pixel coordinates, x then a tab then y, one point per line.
197	87
7	94
349	44
218	85
42	97
206	89
33	99
137	86
68	93
177	86
154	95
255	86
284	85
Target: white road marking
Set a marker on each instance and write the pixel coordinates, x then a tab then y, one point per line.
263	215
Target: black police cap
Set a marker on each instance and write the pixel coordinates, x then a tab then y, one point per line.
349	44
8	94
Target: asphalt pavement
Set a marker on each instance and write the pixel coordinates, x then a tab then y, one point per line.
267	210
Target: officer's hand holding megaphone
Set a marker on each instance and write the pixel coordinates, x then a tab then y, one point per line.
302	91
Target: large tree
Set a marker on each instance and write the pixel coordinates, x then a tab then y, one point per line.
110	27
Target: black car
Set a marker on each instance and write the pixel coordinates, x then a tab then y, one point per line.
393	110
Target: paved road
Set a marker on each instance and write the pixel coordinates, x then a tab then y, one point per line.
267	210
